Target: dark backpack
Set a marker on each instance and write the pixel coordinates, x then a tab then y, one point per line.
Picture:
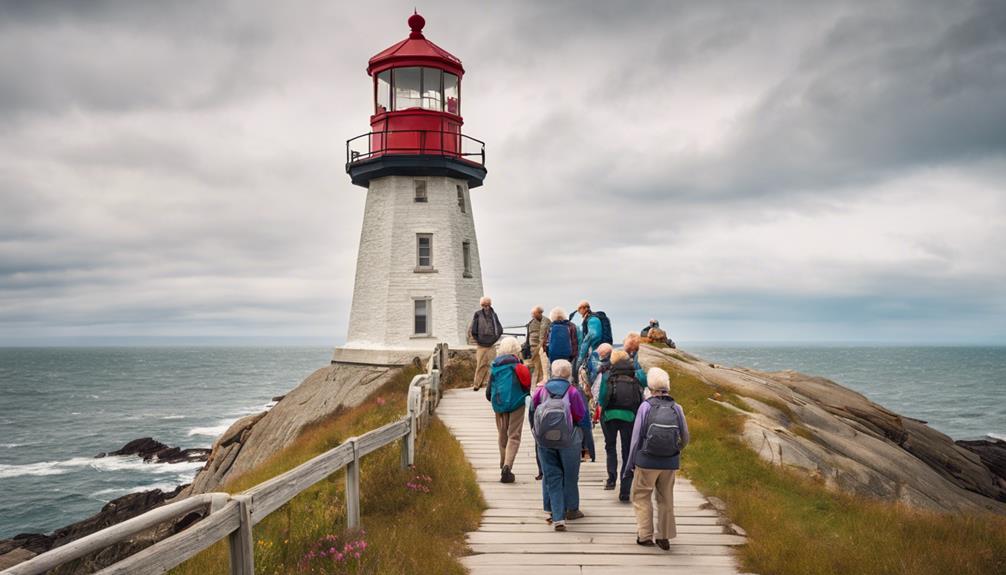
605	326
624	391
661	430
486	329
560	345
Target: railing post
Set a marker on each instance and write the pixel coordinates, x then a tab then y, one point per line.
353	489
242	543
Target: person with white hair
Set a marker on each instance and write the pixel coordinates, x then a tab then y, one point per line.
509	384
486	330
537	330
619	395
659	434
561	338
557	408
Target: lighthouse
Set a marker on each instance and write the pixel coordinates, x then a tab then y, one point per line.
418	275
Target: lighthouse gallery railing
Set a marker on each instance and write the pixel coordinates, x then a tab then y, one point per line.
232	516
446	143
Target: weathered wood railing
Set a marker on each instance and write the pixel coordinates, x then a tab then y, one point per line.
233	516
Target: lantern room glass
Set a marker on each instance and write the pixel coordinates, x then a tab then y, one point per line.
383	92
407	86
432	92
452	100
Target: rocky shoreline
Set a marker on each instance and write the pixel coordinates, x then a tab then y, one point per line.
24	546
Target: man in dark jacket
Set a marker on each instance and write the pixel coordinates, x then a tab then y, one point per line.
486	330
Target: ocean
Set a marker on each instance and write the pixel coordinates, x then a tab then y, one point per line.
61	406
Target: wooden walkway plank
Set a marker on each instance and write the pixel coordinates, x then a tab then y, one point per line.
514	535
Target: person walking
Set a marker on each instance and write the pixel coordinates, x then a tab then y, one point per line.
509	384
561	341
659	434
620	394
537	329
631	346
557	408
486	330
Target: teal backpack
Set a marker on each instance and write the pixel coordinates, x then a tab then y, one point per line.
506	394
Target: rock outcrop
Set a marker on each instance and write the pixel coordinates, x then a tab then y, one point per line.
253	439
154	451
812	424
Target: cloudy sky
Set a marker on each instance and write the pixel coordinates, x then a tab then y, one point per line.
787	171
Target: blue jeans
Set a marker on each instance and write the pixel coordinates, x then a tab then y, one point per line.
587	427
561	468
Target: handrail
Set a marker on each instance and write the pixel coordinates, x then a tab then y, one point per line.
446	143
232	517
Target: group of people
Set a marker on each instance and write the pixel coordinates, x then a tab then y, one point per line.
576	379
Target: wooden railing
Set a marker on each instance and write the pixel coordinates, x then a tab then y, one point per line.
233	516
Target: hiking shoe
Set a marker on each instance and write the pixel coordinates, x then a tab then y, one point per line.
647	543
574	514
538	477
609	485
561	526
476	387
664	544
506	476
623	497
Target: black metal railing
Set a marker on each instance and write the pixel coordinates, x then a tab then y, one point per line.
421	142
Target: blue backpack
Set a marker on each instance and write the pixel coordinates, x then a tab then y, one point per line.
506	394
560	345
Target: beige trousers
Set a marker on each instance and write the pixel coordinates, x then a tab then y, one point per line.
538	364
509	426
484	357
644	483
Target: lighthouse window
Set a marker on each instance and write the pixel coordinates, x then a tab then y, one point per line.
421	323
431	89
408	82
461	198
383	92
466	256
424	252
420	196
452	99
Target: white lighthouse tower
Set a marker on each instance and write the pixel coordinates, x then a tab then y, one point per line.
418	277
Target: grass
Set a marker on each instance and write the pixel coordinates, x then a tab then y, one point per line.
414	520
796	526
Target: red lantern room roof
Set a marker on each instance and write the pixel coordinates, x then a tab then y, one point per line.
415	50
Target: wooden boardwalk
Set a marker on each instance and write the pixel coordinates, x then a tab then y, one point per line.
514	537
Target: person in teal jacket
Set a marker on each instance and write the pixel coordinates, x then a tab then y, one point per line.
592	339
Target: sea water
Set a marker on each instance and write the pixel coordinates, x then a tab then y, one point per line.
960	391
61	406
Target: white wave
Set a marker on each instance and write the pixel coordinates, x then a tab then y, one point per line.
996	436
173	417
133	463
10	445
117	463
107	495
212	431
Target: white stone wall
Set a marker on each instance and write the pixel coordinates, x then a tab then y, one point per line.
386	278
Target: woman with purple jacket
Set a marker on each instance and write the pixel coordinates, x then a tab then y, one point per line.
556	409
659	434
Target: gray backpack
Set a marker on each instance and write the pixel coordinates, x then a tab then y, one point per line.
553	421
661	429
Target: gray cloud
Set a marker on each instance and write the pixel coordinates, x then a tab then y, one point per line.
792	169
